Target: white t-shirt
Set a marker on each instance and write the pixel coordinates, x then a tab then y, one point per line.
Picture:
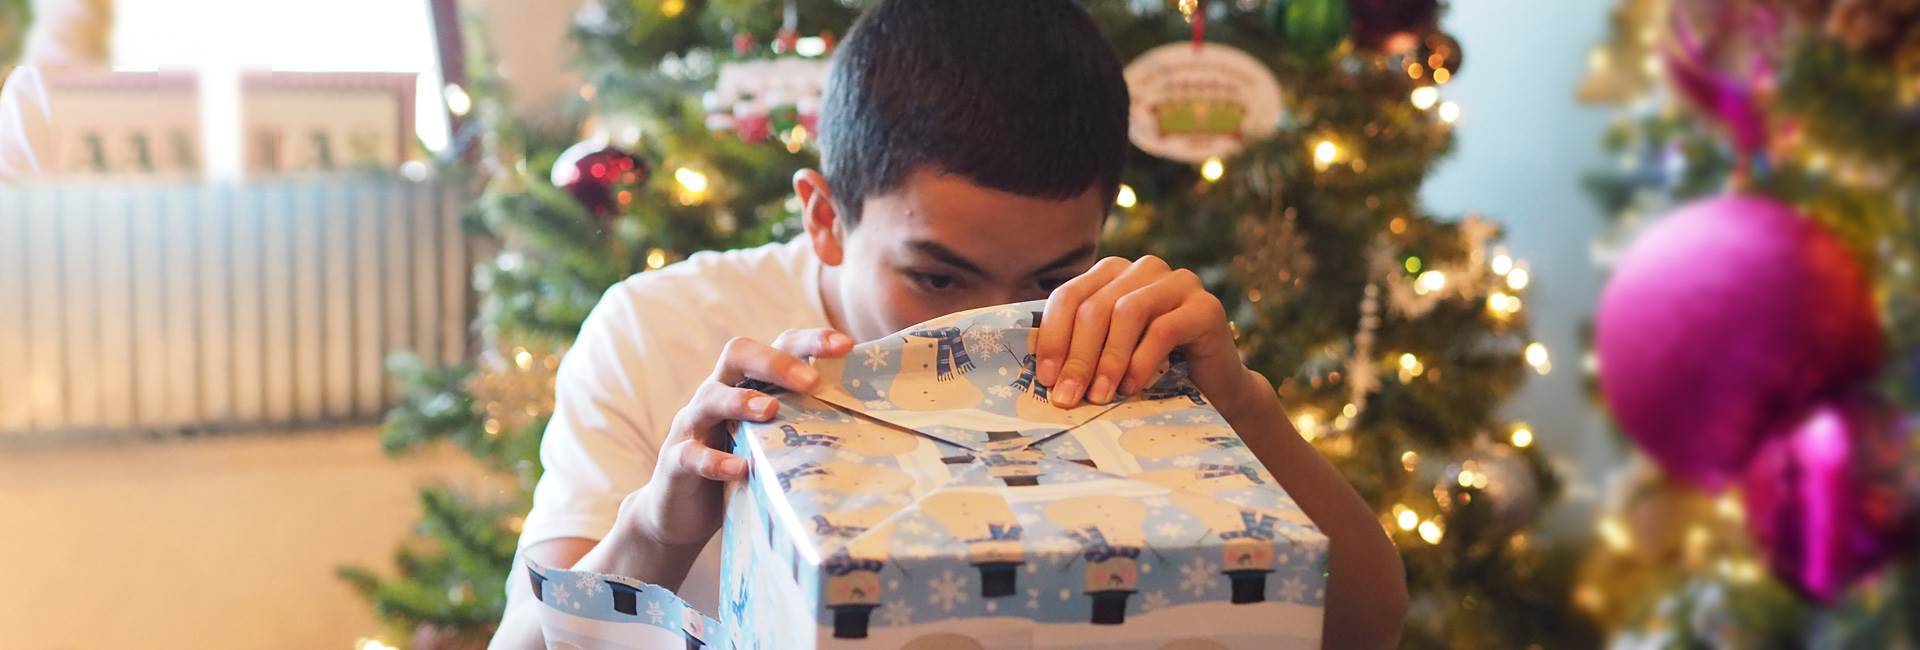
641	354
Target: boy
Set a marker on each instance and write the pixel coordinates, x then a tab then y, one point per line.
969	153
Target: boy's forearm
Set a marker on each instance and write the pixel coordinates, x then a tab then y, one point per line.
623	552
626	552
1366	591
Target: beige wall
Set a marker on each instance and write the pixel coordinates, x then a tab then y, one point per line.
225	542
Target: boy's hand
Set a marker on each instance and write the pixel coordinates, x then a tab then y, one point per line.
681	505
1107	331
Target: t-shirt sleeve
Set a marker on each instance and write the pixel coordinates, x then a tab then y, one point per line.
600	444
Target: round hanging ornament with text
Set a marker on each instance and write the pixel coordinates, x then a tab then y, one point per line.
1193	101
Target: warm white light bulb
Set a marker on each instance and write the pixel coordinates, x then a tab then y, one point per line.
1425	97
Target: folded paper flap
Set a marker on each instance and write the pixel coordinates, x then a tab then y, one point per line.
968	372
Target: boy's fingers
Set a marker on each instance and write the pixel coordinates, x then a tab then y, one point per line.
815	342
716	403
1171	330
1131	315
1056	325
709	463
1091	322
745	358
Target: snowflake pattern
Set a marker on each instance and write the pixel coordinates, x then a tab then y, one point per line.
987	340
1132	423
947	590
1155	600
560	595
655	615
1197	576
876	358
1171	529
1001	390
849	456
1200	418
589	585
1186	461
1293	590
1033	598
897	612
879	405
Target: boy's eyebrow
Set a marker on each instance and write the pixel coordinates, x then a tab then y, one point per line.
946	255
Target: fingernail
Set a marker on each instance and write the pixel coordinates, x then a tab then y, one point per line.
760	405
1066	394
1046	371
804	376
837	339
735	467
1102	391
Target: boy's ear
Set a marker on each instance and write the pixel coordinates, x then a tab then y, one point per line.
818	215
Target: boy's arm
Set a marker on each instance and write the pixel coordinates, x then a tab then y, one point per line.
1366	584
1106	332
661	527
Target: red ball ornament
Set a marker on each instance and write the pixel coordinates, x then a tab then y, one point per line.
1722	318
1392	26
1825	500
594	171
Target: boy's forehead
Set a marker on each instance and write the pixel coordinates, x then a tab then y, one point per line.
942	213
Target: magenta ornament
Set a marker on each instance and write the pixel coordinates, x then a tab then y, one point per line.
1722	318
1824	498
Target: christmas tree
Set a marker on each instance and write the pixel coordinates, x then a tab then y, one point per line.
1392	334
1791	126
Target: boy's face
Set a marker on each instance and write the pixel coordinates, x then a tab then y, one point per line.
940	244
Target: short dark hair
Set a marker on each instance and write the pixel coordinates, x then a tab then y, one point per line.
1022	96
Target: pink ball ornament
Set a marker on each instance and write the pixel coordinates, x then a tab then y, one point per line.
1722	318
1825	501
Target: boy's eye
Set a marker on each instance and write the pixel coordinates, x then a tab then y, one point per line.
931	281
1049	284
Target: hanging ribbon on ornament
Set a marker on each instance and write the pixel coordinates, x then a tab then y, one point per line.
1195	11
1736	101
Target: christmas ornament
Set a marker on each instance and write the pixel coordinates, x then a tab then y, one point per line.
1824	499
1194	102
593	170
1312	28
1392	26
1274	261
758	99
1490	494
1720	318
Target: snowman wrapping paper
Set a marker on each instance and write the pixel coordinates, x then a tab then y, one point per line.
928	495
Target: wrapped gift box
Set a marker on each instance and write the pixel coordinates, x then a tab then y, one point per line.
927	495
